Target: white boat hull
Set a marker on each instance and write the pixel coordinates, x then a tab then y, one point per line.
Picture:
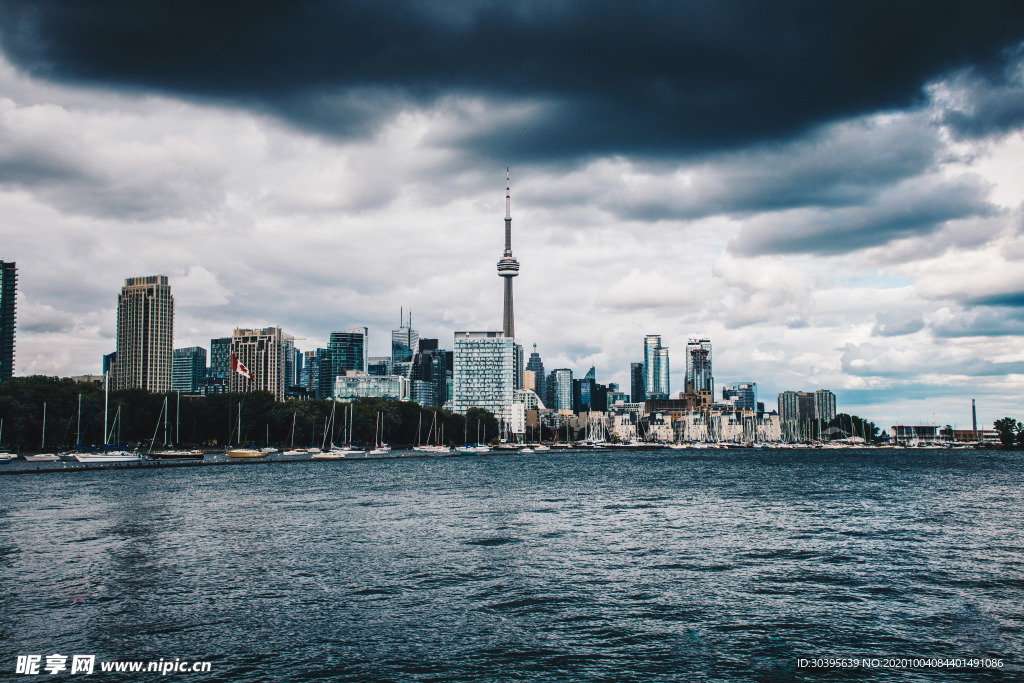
108	457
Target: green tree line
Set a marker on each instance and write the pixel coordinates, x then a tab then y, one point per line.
135	416
1011	432
853	425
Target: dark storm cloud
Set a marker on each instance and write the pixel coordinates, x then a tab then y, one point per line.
983	103
896	323
919	206
981	322
653	78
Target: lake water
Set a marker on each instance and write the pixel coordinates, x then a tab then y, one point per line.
604	566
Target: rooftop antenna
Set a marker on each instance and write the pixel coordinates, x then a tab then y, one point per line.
401	316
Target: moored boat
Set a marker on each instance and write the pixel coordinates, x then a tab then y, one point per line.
42	457
246	453
109	456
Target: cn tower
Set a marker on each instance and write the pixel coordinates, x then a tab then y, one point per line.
508	266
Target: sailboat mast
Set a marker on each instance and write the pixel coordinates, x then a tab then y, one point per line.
106	395
177	420
43	447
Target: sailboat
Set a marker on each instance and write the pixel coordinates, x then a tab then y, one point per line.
435	447
4	455
292	450
169	453
244	452
481	446
379	448
329	451
43	457
107	455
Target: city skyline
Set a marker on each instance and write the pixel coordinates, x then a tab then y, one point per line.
859	232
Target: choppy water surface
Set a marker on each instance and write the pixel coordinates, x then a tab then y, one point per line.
601	566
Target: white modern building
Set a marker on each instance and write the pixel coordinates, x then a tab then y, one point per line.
354	384
483	372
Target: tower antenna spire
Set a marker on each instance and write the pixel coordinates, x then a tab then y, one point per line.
508	266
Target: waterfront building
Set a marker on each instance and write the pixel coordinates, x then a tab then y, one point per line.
8	301
262	353
508	266
583	395
530	380
637	393
824	405
790	404
698	366
404	342
616	397
536	366
356	384
108	362
346	351
663	384
652	342
145	334
292	363
220	357
529	399
515	422
742	395
796	406
188	368
431	367
655	368
484	374
309	378
378	366
520	366
559	387
423	392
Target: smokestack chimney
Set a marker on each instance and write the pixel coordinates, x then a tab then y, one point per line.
974	416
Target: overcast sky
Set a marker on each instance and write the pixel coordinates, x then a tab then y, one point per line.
831	192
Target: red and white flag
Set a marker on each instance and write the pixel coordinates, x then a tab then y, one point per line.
237	366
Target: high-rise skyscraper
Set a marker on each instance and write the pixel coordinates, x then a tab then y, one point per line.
188	368
536	366
663	386
559	389
656	370
637	393
404	341
220	357
520	365
824	405
262	353
346	351
508	266
698	366
292	363
8	296
145	334
484	372
742	395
